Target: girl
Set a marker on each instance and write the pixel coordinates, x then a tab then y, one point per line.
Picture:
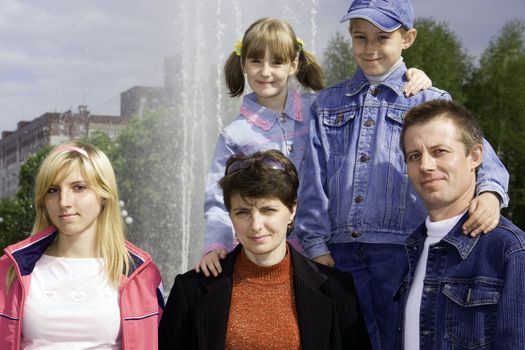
76	283
273	116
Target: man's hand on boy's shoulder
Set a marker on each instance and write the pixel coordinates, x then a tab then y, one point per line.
417	81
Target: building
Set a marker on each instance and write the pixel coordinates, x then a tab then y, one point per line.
48	129
138	99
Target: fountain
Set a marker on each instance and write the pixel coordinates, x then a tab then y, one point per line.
199	108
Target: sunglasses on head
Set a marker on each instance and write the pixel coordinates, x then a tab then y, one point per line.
267	162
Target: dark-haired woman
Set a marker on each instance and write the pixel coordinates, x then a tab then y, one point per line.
268	296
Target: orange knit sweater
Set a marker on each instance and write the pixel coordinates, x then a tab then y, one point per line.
262	311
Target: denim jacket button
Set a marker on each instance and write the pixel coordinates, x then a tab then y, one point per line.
368	123
282	118
291	148
364	158
359	199
375	91
356	234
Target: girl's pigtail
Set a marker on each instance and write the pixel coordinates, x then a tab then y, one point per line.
309	73
234	75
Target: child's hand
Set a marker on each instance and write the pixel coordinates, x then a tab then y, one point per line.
211	262
484	214
325	260
417	81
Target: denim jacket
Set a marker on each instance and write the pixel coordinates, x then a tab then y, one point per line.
356	188
474	289
256	128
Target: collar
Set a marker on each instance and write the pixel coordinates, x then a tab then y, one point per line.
264	118
396	81
463	243
27	252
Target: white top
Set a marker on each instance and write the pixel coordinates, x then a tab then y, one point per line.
70	306
435	231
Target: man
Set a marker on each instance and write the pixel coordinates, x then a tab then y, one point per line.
460	291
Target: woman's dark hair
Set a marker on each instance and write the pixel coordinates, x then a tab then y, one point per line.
264	174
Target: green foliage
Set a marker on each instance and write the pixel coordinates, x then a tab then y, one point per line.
101	140
439	53
338	62
9	224
18	214
147	163
496	95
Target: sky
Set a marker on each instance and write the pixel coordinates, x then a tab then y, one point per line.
58	54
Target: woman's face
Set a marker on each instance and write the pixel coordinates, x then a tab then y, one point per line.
260	225
72	206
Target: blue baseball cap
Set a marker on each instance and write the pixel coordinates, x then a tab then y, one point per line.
387	15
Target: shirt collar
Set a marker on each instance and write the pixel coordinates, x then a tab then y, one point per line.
463	243
264	118
396	81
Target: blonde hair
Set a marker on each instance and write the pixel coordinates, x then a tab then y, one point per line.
279	38
100	177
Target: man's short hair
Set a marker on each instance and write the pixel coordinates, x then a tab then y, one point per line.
468	129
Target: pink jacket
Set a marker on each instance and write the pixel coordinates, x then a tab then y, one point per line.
140	294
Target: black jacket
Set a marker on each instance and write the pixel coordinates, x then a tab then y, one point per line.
196	314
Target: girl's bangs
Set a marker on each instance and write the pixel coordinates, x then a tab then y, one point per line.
280	47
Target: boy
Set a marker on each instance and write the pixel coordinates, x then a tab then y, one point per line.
356	203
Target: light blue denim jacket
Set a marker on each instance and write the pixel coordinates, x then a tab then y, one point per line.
356	188
474	289
256	128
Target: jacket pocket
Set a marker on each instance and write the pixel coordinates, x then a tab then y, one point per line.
337	129
471	311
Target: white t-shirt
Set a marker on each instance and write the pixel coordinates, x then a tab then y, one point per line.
70	306
435	231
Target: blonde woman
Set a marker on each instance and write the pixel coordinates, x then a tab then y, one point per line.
75	283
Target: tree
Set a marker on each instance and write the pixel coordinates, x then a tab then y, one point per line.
496	95
18	213
338	62
9	232
439	53
148	161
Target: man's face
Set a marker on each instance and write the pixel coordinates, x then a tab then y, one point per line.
439	168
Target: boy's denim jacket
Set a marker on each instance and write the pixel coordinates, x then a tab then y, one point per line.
474	289
256	128
356	188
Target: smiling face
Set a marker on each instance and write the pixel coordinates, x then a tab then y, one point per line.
72	206
268	78
441	170
376	51
260	226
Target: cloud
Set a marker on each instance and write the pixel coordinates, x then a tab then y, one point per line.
57	54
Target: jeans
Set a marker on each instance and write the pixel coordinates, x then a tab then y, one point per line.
377	269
